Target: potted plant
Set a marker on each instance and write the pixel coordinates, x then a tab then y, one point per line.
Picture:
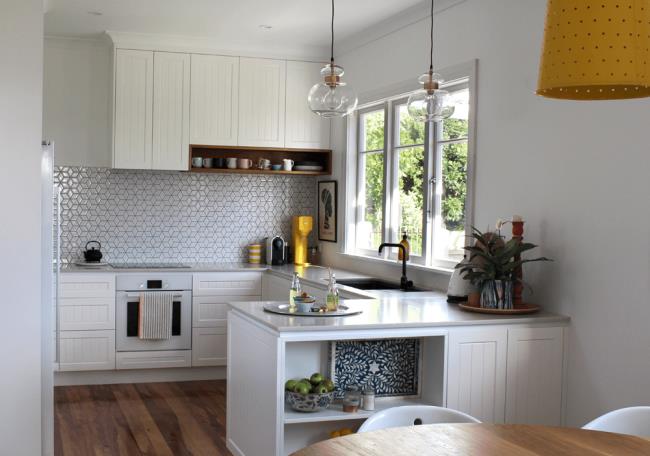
492	267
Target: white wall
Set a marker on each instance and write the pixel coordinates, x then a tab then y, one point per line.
578	172
76	96
21	54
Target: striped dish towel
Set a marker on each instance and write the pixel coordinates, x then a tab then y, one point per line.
155	315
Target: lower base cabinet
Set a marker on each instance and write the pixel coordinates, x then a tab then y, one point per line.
86	350
507	374
209	346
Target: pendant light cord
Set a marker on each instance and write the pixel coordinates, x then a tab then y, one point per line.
332	44
431	56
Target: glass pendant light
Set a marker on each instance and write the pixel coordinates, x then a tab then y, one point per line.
430	103
332	97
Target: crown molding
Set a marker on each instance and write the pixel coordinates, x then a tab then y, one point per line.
393	24
207	45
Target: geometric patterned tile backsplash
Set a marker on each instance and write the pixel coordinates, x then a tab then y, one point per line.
160	216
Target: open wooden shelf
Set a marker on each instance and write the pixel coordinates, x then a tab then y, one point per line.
257	171
274	154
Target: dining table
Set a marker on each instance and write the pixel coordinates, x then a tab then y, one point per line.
482	440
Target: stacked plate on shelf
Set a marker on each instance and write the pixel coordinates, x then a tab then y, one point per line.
307	166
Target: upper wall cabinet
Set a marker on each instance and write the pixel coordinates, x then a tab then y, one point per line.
152	103
171	111
133	122
304	129
214	100
262	85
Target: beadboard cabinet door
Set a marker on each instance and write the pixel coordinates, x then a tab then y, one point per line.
133	110
171	111
209	346
476	379
214	100
304	129
534	376
262	86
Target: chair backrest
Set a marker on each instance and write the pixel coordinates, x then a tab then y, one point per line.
409	415
630	420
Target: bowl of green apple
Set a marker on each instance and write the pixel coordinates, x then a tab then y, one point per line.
311	394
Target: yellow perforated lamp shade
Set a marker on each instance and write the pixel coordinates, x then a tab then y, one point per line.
596	50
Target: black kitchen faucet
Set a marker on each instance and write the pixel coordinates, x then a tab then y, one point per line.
404	282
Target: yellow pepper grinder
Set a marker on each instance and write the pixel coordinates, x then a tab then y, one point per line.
302	226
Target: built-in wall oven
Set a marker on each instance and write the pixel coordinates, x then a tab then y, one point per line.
127	306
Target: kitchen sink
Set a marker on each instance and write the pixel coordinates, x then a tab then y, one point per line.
373	284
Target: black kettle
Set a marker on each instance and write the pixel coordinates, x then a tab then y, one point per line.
93	255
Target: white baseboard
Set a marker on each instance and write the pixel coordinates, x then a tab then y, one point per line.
139	376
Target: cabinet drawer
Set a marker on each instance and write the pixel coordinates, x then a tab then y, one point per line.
86	350
209	346
212	311
228	284
87	286
154	359
82	314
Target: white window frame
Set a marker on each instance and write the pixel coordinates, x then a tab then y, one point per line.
389	98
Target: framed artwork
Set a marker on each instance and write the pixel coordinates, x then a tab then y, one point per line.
327	199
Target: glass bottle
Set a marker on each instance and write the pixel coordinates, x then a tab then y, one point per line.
332	300
295	290
407	247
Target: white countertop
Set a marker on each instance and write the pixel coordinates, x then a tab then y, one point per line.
192	267
390	310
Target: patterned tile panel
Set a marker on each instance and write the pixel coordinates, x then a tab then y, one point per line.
158	216
391	367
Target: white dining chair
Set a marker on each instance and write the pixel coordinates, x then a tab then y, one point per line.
409	415
630	420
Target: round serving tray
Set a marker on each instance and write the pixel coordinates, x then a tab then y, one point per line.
283	309
521	309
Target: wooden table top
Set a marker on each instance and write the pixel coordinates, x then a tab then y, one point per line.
480	439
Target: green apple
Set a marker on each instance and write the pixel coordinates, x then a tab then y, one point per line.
301	388
290	385
316	378
305	380
329	384
320	389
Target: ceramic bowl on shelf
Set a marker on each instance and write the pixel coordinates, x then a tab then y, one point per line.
311	402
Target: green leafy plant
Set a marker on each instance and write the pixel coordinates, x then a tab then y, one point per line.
492	258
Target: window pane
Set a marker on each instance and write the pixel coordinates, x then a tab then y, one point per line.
372	125
411	199
369	228
457	125
449	231
410	131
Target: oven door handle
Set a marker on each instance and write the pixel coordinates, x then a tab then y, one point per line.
137	295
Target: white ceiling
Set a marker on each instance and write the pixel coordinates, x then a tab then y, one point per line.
296	23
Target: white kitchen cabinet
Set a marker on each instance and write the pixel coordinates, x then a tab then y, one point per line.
534	376
476	378
86	350
227	284
86	302
262	86
171	111
212	291
133	109
209	346
214	100
153	359
304	129
83	314
86	321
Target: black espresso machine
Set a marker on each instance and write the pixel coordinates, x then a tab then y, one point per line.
276	251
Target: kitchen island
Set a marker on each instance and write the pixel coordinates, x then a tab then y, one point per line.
499	369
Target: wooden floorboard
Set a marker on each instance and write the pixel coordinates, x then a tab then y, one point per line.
170	419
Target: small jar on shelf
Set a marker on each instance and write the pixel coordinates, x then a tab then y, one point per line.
351	399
